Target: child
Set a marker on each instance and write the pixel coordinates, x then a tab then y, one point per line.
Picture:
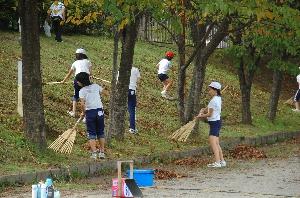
213	114
92	109
297	96
134	78
82	64
163	67
57	14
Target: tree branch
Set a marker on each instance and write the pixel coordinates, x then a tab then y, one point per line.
198	47
168	30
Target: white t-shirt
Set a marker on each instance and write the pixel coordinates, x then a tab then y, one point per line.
134	76
164	66
83	65
57	10
215	104
298	80
91	95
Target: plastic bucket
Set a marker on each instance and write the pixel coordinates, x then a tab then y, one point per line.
143	177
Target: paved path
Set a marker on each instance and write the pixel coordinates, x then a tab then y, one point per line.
263	178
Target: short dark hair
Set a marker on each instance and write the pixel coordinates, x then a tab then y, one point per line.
83	78
218	90
80	56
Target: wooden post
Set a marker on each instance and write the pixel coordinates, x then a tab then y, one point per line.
20	103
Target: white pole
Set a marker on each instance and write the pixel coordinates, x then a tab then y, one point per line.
20	104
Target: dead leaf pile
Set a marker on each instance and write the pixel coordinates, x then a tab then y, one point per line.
192	161
247	152
165	174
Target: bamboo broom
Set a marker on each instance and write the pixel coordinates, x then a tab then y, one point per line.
64	143
184	132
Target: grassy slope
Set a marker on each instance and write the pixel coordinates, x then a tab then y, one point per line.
157	118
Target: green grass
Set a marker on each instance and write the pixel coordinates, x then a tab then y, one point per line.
156	117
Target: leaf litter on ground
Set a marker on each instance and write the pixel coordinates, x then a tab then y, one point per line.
243	151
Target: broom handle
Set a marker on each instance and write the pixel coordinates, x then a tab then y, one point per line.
77	122
100	79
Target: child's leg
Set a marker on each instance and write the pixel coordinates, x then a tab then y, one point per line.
92	143
297	106
167	84
74	103
220	150
131	108
214	146
102	142
100	128
91	128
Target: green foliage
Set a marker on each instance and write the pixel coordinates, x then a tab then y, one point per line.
8	13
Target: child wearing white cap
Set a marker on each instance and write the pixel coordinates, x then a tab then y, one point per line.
297	96
213	114
82	64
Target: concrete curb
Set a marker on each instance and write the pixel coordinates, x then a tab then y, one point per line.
96	168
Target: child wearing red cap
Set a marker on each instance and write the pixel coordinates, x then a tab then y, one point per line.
163	66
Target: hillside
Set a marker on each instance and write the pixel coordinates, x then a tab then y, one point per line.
156	117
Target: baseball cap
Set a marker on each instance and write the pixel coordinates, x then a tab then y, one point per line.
215	85
80	51
169	54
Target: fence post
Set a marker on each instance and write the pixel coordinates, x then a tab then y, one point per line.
20	103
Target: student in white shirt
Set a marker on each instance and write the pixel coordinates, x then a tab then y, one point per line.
82	64
57	15
163	67
134	78
213	114
92	110
297	96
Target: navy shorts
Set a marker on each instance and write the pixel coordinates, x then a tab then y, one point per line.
215	127
95	123
297	96
162	77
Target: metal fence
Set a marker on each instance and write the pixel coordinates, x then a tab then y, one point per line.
151	31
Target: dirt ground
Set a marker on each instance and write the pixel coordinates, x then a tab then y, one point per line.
268	177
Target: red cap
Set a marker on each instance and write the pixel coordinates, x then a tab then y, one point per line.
169	54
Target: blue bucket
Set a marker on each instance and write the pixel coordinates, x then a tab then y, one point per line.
143	177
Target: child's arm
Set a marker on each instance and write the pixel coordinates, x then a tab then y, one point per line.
208	113
82	105
67	76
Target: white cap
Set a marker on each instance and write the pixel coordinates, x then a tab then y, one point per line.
80	51
215	85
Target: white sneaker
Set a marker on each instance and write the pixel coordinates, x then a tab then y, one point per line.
223	163
101	155
296	110
214	165
164	94
93	155
84	120
71	113
132	131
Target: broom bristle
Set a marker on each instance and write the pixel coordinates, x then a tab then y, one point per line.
57	144
67	147
183	133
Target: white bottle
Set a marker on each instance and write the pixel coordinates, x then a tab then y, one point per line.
56	194
34	191
43	191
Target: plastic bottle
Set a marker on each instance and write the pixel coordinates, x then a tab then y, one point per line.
50	188
43	191
56	194
34	191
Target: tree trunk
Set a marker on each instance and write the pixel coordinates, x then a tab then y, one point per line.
193	104
276	89
33	109
181	77
129	35
245	80
115	69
